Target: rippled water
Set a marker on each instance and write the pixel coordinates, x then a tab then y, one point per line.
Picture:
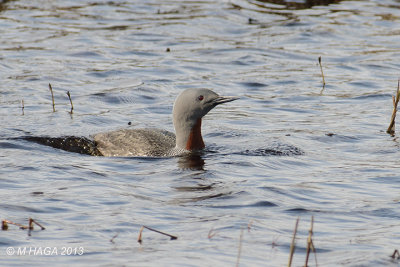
127	61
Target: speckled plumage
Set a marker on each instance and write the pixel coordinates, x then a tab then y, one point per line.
136	142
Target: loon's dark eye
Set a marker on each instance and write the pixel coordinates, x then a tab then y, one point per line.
200	97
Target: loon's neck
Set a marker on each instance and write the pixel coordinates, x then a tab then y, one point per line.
189	138
195	140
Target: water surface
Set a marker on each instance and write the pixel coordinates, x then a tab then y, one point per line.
113	57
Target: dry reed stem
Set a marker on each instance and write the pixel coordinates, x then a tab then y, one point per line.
211	233
140	235
32	221
391	129
322	72
395	253
275	242
52	97
22	107
70	100
315	253
249	225
240	247
172	237
310	244
4	225
293	245
309	241
30	225
112	238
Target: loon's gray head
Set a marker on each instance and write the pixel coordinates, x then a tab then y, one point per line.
189	107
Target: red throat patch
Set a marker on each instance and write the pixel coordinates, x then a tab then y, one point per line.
195	140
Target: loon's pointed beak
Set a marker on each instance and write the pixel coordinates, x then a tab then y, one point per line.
223	99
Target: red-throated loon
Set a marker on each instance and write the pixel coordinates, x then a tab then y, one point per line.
189	108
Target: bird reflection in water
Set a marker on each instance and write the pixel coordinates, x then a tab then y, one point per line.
193	161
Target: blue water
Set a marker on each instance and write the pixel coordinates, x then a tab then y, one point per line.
112	57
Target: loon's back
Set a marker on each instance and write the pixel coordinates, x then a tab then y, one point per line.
136	143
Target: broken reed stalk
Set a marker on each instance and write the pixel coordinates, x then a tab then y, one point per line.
22	107
293	245
52	97
70	100
154	230
322	72
240	247
391	129
5	224
310	244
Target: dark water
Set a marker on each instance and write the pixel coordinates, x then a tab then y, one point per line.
112	56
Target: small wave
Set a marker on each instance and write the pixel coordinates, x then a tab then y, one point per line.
280	150
263	203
